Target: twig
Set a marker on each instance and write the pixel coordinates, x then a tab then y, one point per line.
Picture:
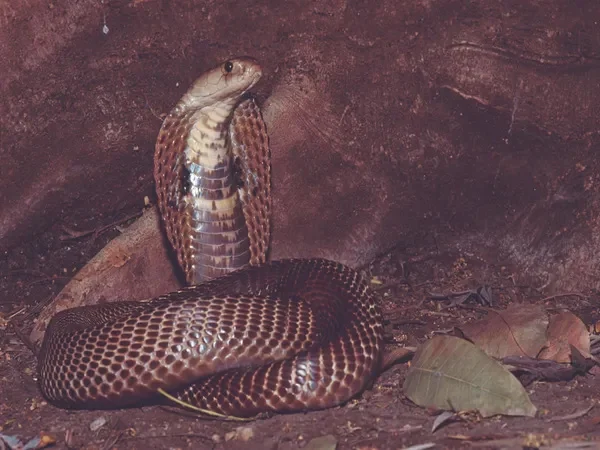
440	296
407	322
24	339
112	440
163	436
37	308
390	285
34	272
51	279
344	114
158	116
72	234
439	313
391	312
566	294
44	276
202	412
13	315
575	415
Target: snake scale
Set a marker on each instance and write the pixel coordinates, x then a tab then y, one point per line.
247	336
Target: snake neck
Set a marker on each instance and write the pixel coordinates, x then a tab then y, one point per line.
212	173
207	142
217	232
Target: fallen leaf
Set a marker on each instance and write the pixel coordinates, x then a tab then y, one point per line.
583	363
243	434
452	374
327	442
11	441
39	442
352	428
482	295
565	329
441	419
421	446
45	441
518	330
392	356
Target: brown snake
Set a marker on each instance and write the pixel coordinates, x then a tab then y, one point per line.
285	336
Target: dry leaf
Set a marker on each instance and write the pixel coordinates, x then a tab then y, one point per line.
565	329
517	331
243	434
441	419
328	442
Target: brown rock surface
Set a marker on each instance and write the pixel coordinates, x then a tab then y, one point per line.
472	126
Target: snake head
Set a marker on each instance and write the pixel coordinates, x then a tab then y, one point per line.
225	83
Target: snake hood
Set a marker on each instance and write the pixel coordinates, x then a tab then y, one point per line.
226	82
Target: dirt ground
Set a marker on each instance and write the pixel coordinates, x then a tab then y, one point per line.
381	418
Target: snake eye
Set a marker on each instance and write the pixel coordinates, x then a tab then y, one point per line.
228	66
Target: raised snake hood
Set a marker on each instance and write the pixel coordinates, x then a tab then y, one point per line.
136	265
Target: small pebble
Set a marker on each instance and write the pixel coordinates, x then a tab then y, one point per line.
240	433
98	423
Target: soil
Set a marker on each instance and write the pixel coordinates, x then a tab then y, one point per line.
381	418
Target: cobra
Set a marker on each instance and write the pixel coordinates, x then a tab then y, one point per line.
247	336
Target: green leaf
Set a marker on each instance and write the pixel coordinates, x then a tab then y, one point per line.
452	374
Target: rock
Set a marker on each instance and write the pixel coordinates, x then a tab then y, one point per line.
404	124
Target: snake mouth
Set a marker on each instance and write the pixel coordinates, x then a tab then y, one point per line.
225	83
246	68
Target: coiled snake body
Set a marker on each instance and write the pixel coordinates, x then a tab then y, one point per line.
284	336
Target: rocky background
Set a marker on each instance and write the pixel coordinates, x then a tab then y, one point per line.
422	125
